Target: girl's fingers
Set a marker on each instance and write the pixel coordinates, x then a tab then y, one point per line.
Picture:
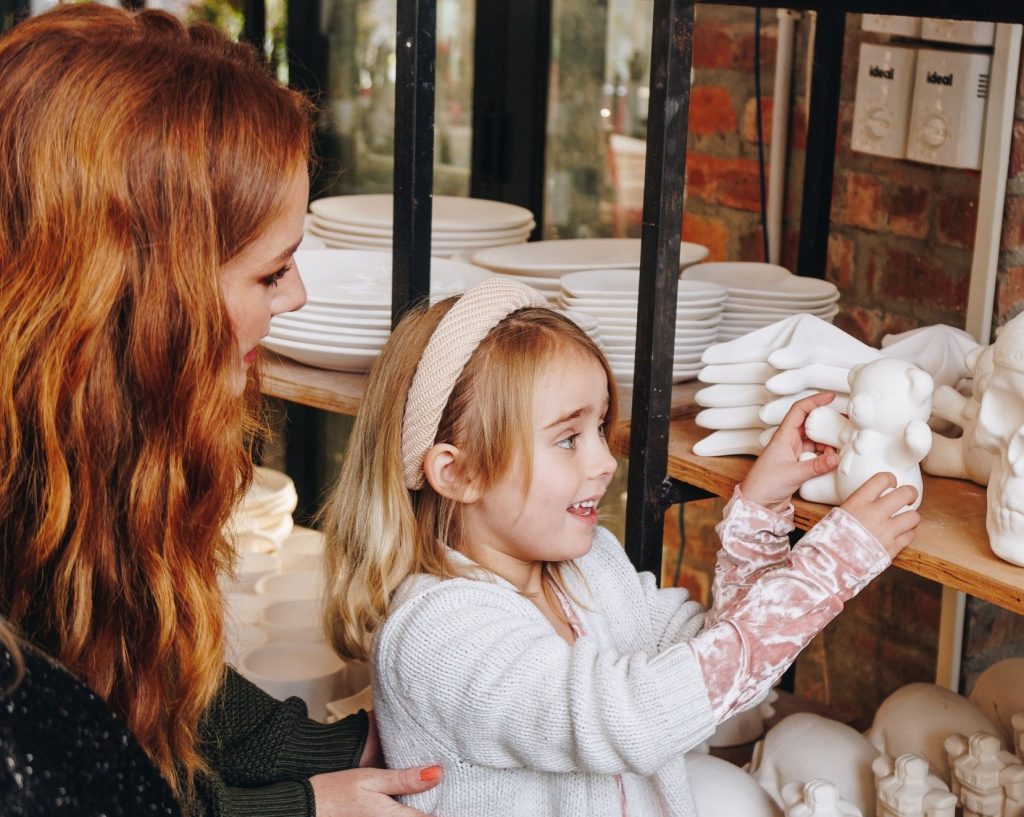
875	486
898	498
801	408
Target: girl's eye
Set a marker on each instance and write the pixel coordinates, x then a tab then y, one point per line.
272	279
568	442
601	429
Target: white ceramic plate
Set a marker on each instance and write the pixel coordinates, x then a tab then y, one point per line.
351	278
447	212
337	358
686	322
437	232
753	280
626	282
321	323
787	307
385	242
326	338
575	254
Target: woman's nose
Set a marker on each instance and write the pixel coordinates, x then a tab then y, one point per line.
291	293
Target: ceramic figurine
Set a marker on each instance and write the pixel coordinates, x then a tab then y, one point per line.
721	788
962	457
816	376
746	726
805	747
906	789
940	350
1001	431
917	718
1017	724
887	430
816	798
988	780
999	693
733	417
758	372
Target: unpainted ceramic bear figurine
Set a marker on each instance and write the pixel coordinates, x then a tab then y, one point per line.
906	789
816	798
962	457
887	430
988	780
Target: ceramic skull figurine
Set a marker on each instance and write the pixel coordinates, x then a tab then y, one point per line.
887	430
1001	430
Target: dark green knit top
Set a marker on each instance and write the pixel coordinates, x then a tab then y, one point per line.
264	751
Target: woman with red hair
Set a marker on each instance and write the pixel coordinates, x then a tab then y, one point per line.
153	183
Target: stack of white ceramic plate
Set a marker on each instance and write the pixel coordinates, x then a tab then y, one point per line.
761	294
458	225
265	513
610	296
541	264
347	318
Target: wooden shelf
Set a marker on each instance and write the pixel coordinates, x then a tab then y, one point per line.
951	545
340	392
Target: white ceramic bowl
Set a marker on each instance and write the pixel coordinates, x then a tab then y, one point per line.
300	584
293	621
240	639
310	671
244	608
303	550
337	710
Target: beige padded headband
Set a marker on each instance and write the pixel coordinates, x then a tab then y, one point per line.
454	340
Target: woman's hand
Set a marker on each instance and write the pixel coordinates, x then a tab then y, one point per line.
369	792
874	509
778	472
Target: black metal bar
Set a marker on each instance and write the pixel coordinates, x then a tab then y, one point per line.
414	153
133	5
254	24
512	58
1003	11
671	56
676	492
822	123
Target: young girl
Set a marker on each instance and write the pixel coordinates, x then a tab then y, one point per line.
512	641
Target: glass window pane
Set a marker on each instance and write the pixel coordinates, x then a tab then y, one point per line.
359	98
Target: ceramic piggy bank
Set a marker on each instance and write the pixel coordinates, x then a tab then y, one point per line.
917	719
721	788
806	747
887	430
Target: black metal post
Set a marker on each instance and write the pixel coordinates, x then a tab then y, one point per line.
414	153
254	24
664	177
822	123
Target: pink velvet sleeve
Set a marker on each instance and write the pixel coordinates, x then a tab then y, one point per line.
754	539
780	606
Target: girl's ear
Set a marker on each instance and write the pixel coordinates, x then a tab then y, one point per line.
442	468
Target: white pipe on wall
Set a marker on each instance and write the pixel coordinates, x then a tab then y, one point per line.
780	131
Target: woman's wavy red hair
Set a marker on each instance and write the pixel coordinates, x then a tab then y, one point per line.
136	157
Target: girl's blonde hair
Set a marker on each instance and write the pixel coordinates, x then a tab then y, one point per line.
378	532
137	156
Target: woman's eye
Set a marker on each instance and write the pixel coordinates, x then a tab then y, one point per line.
568	442
272	279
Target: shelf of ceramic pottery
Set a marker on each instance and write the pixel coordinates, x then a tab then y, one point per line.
342	392
951	546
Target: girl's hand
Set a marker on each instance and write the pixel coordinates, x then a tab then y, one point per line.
874	508
369	792
779	471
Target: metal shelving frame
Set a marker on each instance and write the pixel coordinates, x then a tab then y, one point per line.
650	490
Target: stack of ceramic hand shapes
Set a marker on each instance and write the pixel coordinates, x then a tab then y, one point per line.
757	377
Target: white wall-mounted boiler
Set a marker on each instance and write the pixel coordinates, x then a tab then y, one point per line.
963	32
948	115
885	81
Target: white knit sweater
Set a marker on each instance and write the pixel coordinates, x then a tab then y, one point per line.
470	675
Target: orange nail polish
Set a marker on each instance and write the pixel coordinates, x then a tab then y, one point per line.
428	774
